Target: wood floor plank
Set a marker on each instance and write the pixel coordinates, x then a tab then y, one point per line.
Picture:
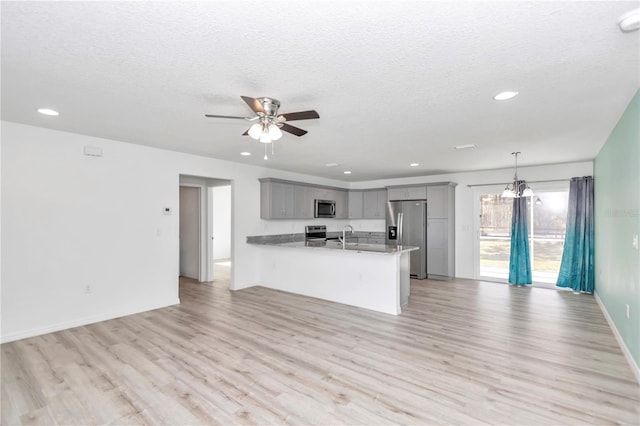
462	352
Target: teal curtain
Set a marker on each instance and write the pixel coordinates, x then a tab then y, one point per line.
519	260
576	269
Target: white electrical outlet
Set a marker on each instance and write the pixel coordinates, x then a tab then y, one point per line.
635	242
88	289
627	311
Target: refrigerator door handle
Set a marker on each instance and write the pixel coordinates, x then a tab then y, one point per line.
400	220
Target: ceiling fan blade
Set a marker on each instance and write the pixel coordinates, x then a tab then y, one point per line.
293	130
254	104
302	115
226	116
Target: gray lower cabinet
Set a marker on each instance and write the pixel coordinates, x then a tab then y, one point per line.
437	247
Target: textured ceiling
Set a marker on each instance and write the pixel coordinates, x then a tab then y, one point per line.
394	82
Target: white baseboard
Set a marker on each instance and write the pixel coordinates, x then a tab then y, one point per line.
23	334
623	346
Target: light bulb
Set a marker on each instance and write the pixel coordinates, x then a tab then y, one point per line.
274	132
255	131
508	193
264	137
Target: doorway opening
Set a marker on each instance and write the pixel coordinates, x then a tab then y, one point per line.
206	230
547	213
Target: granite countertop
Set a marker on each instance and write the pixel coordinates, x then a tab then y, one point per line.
334	245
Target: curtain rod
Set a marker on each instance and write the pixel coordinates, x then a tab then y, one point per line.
529	181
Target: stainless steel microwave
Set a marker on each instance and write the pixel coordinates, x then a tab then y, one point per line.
325	208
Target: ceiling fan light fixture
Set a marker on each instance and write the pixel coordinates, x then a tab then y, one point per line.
264	137
274	132
255	131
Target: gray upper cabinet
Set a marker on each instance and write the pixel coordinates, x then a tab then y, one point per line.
276	200
374	202
342	204
356	205
440	201
281	199
303	202
414	192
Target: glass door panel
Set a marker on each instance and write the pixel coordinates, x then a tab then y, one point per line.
547	216
495	236
547	233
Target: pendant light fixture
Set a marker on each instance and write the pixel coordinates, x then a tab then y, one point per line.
518	188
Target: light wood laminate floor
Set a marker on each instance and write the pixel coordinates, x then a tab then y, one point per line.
464	352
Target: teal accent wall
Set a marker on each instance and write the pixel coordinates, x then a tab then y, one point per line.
617	220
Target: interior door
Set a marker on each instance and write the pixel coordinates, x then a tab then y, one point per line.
190	232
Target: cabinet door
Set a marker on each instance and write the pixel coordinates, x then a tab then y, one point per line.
374	204
356	204
438	201
397	193
382	203
303	202
281	200
370	204
417	192
342	204
408	193
437	247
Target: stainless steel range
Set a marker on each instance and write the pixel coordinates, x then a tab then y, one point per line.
315	234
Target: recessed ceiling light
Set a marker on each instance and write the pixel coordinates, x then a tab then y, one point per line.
245	153
347	172
505	95
630	21
332	164
468	146
47	111
414	165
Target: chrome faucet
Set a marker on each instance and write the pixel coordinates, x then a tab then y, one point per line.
344	236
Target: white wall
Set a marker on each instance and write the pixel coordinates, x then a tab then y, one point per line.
71	221
222	222
464	214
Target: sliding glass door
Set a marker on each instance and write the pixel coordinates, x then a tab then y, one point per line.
547	212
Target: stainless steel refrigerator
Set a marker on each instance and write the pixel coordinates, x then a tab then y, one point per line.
407	226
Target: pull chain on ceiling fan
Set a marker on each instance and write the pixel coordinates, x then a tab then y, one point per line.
268	126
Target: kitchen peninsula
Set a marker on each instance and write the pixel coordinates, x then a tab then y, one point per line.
370	276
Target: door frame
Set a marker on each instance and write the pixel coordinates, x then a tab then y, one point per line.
199	226
206	223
